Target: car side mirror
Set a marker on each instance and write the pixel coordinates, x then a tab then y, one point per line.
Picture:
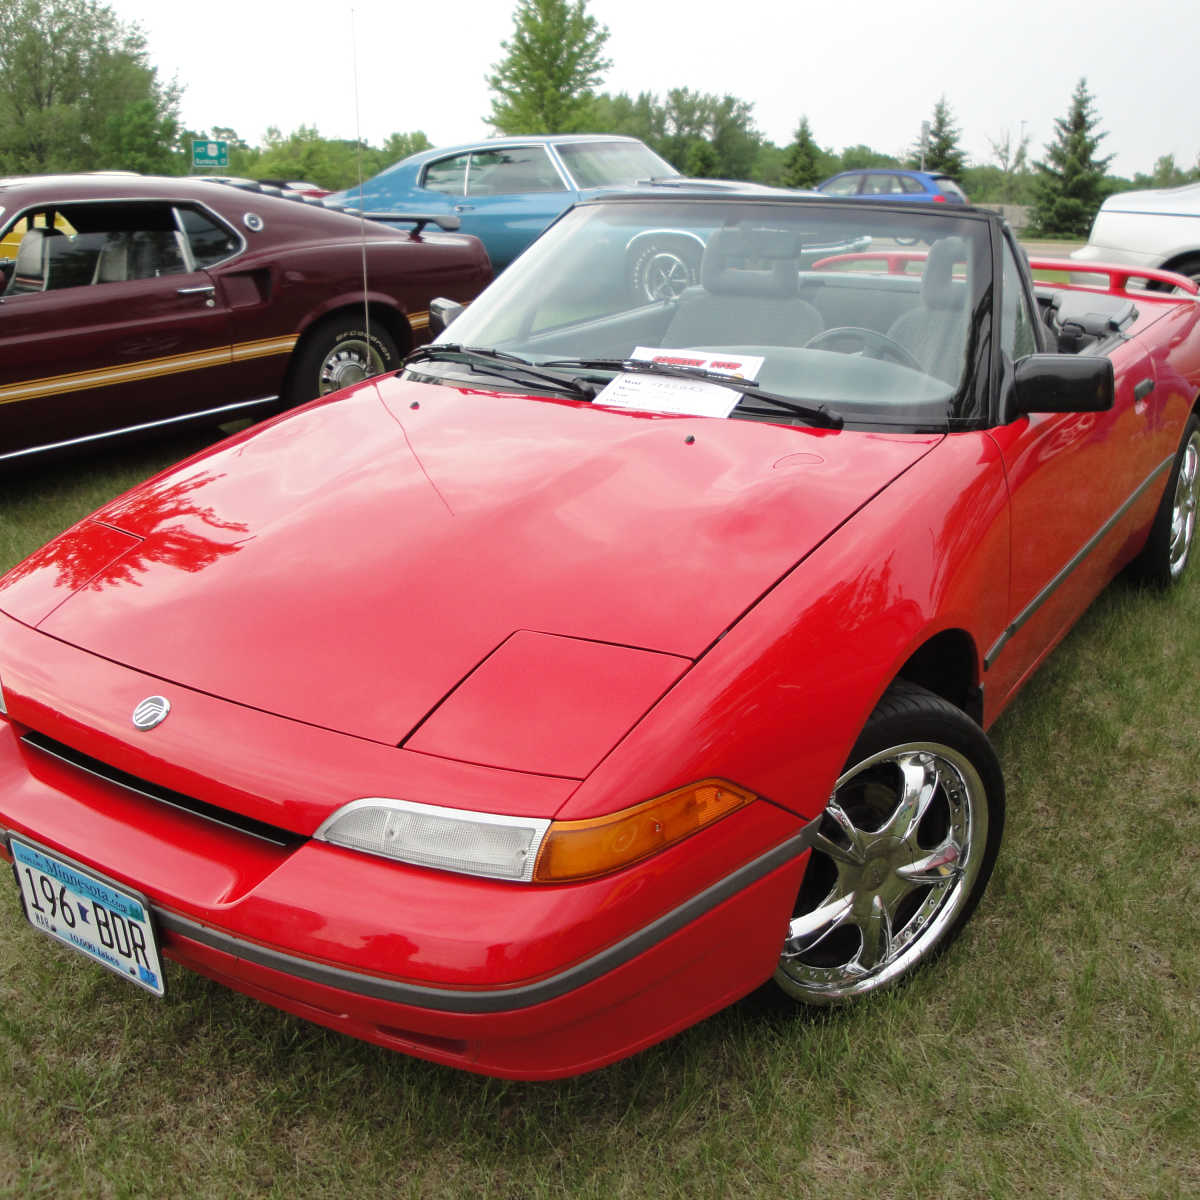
1063	383
441	313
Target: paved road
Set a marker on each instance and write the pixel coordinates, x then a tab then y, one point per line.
1050	249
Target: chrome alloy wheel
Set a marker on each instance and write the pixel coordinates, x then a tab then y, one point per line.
893	865
665	276
350	361
1183	509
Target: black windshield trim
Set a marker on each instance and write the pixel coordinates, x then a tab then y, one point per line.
484	361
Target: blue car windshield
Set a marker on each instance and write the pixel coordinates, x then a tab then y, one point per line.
869	310
612	164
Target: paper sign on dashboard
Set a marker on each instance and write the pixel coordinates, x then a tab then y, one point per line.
662	394
690	397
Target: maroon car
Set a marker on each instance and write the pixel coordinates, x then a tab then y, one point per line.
129	302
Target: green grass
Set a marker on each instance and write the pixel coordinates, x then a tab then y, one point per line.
40	501
1054	1051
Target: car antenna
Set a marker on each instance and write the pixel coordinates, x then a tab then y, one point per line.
362	216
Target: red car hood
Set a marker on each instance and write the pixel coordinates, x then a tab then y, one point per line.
350	563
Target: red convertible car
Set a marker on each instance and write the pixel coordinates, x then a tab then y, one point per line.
129	303
615	658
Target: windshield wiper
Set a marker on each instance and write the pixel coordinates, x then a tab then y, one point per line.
814	414
485	361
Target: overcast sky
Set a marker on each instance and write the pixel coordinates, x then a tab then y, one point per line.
866	71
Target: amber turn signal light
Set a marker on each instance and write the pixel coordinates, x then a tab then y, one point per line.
585	849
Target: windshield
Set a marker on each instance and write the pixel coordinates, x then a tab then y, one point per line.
866	311
611	164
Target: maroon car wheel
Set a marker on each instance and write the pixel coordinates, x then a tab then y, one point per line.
339	353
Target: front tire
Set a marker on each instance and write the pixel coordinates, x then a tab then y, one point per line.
1168	549
902	855
1188	267
337	353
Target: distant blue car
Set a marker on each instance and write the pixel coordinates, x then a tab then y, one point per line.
892	183
505	191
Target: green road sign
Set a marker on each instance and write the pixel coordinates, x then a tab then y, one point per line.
210	154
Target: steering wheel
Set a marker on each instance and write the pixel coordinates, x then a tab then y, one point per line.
855	339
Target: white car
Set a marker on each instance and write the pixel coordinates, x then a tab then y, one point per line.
1159	228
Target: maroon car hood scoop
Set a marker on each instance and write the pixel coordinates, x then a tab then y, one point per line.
349	564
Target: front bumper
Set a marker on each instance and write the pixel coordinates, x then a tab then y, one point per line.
1112	254
520	980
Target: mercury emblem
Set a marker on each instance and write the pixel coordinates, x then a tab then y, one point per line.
152	711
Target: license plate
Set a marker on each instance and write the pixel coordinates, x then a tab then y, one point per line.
88	913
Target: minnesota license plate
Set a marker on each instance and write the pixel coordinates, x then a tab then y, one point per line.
88	913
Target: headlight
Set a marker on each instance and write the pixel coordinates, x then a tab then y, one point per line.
529	849
429	836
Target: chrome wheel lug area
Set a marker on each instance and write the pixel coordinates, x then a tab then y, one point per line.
890	868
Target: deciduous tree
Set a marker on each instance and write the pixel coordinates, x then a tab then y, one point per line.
1013	160
642	117
553	62
401	145
725	123
304	153
861	157
698	133
78	92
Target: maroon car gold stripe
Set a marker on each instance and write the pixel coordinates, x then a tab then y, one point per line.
150	368
264	347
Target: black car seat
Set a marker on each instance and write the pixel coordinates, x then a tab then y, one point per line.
935	332
747	295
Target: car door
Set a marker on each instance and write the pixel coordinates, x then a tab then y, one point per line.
843	185
512	194
882	183
117	328
1076	493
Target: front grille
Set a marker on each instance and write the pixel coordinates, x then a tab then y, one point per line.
162	795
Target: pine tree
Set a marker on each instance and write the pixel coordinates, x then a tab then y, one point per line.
552	64
942	151
1070	182
801	160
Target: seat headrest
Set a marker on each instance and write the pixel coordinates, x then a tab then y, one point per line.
938	289
113	263
29	271
32	251
751	262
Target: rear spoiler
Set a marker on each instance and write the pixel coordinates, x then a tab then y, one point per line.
1116	278
445	221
